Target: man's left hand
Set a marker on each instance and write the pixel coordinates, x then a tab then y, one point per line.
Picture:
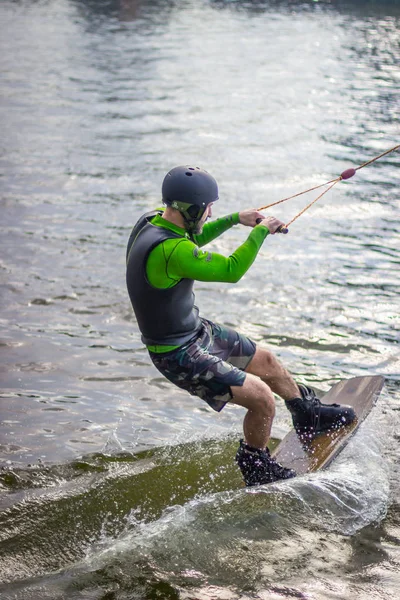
249	217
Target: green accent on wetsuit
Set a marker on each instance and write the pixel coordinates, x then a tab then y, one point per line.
179	258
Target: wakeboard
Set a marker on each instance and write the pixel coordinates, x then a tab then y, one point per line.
308	455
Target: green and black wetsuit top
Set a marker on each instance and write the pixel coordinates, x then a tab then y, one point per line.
163	261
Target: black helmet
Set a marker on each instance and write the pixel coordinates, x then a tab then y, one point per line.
190	190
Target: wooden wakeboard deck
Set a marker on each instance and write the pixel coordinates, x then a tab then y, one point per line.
359	392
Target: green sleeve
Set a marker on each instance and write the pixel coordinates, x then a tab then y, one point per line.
179	259
215	228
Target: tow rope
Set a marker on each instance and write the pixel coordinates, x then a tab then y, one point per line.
345	175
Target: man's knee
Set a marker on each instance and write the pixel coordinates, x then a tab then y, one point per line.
262	363
264	401
255	395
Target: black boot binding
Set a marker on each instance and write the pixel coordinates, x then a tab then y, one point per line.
310	416
258	467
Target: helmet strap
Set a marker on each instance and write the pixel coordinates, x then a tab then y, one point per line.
186	210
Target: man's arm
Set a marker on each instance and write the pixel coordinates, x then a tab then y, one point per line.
187	261
177	259
213	229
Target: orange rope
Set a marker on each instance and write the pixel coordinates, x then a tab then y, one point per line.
380	156
345	175
299	194
313	202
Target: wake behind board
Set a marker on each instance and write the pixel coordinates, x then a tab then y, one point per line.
359	392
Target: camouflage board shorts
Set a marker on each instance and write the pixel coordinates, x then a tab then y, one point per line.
208	365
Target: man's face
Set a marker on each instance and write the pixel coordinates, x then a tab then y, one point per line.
207	214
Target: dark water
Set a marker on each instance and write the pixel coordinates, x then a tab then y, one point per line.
114	484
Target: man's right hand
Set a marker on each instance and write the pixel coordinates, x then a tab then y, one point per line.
272	223
250	217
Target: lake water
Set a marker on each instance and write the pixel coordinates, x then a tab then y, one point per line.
114	484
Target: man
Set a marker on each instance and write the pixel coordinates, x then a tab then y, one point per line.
208	360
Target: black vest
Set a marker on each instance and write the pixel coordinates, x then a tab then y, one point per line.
165	316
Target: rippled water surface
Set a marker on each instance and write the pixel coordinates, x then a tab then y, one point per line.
114	484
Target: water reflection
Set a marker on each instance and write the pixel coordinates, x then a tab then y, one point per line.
124	10
353	7
131	10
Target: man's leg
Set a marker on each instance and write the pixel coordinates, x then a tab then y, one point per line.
309	414
253	456
256	396
264	375
266	366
